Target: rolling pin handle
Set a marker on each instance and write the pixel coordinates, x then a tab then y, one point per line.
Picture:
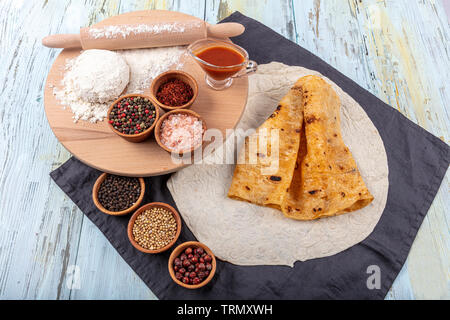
62	41
225	30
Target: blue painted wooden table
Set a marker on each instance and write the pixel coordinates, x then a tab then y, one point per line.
398	50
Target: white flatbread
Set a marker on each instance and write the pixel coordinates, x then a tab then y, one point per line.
246	234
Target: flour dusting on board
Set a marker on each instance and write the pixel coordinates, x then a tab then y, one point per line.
146	64
111	32
99	74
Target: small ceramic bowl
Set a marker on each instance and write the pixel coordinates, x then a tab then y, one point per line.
165	116
178	250
174	74
115	213
134	137
141	210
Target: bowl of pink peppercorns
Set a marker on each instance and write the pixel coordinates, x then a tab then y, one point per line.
192	265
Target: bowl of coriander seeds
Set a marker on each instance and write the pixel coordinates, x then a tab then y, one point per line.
154	227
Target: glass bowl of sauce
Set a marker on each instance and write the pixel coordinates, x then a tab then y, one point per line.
222	61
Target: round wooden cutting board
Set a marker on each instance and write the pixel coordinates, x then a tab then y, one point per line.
97	146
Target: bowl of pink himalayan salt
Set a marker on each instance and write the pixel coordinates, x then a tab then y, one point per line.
180	131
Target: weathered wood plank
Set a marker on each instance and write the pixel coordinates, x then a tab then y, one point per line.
40	225
276	14
330	30
407	46
103	274
408	56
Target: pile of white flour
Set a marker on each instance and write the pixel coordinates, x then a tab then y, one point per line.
146	64
94	79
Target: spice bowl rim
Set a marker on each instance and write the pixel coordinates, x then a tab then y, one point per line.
165	116
178	250
99	206
134	137
175	214
167	75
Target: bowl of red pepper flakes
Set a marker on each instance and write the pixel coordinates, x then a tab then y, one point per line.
174	89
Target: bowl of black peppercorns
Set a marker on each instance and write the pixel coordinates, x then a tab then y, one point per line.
133	117
116	195
192	265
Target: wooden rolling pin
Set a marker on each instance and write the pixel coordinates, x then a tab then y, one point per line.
144	35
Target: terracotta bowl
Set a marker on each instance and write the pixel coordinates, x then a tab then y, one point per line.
178	250
161	120
141	210
134	137
174	74
115	213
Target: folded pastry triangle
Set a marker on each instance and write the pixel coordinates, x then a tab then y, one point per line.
314	173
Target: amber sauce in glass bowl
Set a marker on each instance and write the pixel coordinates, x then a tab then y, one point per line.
222	61
221	56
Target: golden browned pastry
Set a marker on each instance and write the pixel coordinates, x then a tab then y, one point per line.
326	180
317	175
262	177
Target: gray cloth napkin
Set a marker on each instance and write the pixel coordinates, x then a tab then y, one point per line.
417	164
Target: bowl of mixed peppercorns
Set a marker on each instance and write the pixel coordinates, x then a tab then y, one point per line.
133	117
192	265
174	89
116	195
154	227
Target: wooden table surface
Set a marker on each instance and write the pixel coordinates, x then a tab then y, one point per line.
398	50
